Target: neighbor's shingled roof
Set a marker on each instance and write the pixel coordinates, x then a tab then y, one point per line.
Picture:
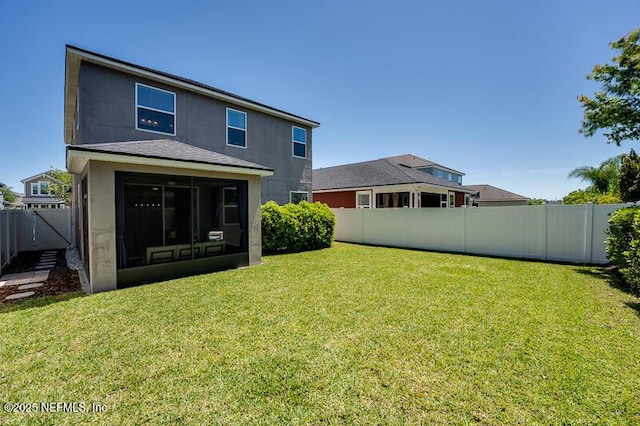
415	162
380	172
491	193
168	149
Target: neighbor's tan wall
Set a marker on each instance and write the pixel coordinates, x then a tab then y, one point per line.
102	216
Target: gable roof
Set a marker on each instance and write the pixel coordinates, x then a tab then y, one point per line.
380	172
492	193
39	176
166	152
415	162
75	55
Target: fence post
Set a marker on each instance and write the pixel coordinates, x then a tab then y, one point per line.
15	223
546	235
464	218
406	227
361	211
588	233
34	232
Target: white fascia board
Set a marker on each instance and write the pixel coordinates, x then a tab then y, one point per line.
76	160
42	175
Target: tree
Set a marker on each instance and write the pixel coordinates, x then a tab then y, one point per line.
61	184
584	196
8	195
629	180
616	107
603	179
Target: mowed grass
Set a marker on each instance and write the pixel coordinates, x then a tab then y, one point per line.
351	334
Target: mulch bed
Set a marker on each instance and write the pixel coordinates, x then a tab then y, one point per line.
61	278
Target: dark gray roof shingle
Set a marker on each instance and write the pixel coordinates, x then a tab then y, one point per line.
492	193
168	149
380	172
415	162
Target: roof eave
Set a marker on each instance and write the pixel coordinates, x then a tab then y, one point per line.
40	175
357	188
77	159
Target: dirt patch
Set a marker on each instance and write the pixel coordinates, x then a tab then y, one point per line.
61	278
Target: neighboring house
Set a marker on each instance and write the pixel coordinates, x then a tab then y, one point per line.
400	181
18	203
3	204
490	196
169	174
38	193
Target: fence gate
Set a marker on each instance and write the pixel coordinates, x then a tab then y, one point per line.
44	229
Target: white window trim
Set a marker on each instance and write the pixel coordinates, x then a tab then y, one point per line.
225	205
298	192
246	125
358	193
39	187
449	195
293	141
444	204
137	107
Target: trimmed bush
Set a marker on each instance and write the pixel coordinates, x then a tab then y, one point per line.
631	272
620	233
296	227
623	244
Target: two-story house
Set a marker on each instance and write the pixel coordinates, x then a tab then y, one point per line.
4	204
399	181
169	173
39	194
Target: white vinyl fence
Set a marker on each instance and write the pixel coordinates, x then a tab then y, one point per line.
566	233
31	230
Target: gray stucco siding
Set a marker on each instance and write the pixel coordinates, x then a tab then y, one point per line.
108	114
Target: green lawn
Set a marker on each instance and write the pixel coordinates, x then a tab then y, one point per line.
350	334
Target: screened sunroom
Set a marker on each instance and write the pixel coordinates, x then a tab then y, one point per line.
148	211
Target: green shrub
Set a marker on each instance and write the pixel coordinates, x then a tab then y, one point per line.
296	227
590	195
631	271
623	244
620	233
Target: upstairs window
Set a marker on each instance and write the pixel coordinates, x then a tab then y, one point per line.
236	128
155	110
296	196
40	188
299	142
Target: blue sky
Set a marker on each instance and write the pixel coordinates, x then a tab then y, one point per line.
488	88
